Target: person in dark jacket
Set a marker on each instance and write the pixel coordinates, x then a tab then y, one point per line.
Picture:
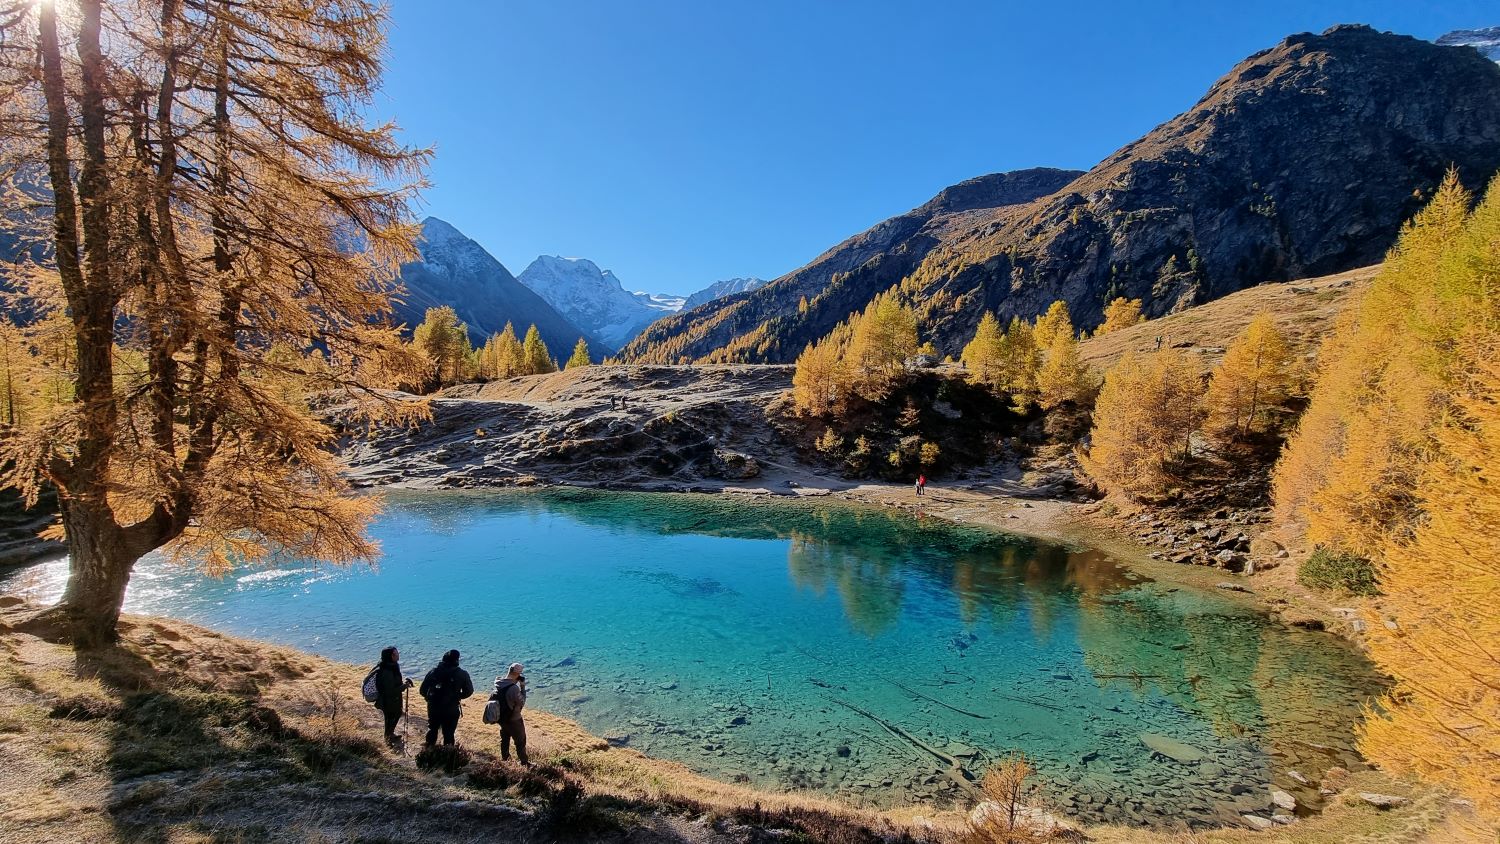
389	686
444	688
510	690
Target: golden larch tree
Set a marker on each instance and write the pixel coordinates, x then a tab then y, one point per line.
1250	383
882	339
443	339
981	356
535	357
215	193
1144	419
580	356
1120	313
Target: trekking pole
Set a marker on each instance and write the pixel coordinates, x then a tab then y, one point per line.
405	715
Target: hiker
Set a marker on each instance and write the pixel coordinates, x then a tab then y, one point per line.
921	485
510	693
443	688
390	686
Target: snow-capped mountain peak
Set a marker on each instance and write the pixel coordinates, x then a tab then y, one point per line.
1486	41
590	297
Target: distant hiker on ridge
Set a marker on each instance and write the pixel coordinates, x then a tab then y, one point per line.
510	694
443	688
390	686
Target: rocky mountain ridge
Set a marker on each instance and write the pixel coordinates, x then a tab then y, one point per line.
1486	41
1304	160
458	272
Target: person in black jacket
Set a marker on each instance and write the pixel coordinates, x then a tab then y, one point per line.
389	685
443	688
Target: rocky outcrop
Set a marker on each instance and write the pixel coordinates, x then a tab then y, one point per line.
1304	160
641	427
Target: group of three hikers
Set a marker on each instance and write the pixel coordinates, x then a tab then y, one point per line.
444	688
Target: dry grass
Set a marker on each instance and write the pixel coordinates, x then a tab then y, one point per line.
1304	312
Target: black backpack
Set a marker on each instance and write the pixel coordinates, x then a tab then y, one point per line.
444	687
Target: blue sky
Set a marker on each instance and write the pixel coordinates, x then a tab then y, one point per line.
682	141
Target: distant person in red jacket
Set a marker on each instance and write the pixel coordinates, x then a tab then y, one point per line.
921	485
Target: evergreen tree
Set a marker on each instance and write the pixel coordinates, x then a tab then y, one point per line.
535	358
580	355
1254	378
1120	313
1053	326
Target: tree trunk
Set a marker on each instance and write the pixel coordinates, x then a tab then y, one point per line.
100	561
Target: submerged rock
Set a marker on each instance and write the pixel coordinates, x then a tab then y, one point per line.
1172	748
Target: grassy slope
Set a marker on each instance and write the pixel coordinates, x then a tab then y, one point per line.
182	734
1304	311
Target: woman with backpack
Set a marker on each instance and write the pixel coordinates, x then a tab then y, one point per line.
389	688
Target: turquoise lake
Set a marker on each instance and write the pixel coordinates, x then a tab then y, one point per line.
821	646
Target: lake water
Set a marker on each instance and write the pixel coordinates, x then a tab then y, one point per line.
821	646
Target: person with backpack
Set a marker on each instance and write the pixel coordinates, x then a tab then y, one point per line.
444	688
510	697
389	688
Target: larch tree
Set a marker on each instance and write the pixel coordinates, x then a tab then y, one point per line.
821	381
981	356
208	168
1438	627
1385	380
535	357
1254	379
444	340
1055	324
1063	377
883	337
580	355
1120	313
1020	362
1144	419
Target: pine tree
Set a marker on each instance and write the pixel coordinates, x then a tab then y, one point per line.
535	358
1254	378
580	355
1120	313
1144	417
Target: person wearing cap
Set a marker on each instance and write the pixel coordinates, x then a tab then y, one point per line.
389	685
510	691
444	688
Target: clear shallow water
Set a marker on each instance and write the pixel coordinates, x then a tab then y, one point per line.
820	646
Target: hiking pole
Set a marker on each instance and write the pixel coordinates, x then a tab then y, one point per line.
405	715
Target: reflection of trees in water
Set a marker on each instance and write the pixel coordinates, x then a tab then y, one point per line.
870	586
865	554
1232	668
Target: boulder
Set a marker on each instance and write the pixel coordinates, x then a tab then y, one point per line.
1256	822
1382	801
732	465
1284	800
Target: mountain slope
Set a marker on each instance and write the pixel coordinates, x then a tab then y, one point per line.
720	289
729	327
458	272
1302	161
591	298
